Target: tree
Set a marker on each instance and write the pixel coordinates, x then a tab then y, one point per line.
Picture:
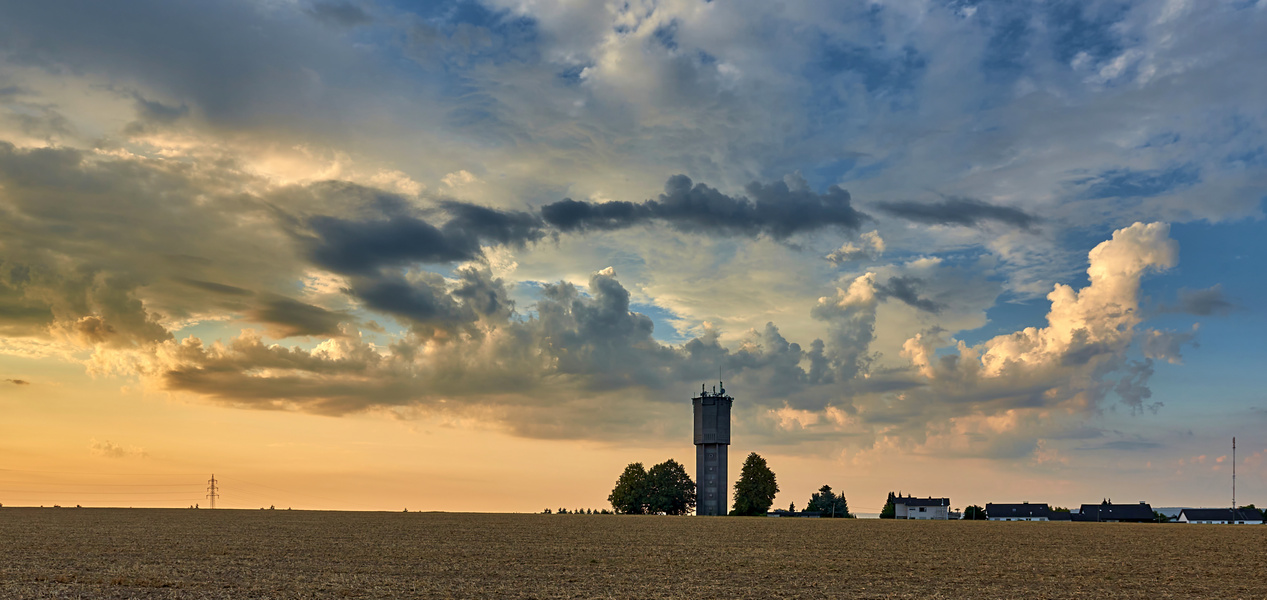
630	494
974	513
670	491
890	510
754	493
829	504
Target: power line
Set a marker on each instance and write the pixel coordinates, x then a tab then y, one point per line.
77	492
99	473
98	485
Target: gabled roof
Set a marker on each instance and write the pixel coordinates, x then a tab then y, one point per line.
1221	514
908	501
1116	512
1024	510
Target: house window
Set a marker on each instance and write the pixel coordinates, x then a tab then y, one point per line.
921	509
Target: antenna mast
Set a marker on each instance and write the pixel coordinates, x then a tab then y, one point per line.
211	490
1233	477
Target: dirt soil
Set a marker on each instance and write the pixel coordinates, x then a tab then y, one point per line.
155	553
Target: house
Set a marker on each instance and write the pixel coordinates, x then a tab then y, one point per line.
1221	516
909	507
1059	515
1018	512
1116	513
803	514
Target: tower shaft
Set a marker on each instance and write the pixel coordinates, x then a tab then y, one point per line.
712	440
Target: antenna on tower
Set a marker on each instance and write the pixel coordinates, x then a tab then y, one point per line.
211	490
1233	477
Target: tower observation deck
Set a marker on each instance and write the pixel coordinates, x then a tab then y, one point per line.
712	436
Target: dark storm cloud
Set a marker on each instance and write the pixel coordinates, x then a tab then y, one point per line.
216	288
907	290
288	317
359	247
955	210
424	299
338	13
770	209
17	381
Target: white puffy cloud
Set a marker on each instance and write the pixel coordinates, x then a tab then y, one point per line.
868	247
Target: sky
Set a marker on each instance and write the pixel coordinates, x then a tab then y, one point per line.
478	255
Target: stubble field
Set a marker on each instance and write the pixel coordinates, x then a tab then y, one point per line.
121	553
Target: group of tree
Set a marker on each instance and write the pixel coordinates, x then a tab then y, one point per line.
973	513
577	511
890	509
828	504
666	489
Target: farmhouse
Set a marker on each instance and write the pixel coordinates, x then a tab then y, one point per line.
1116	513
1221	516
1018	512
910	507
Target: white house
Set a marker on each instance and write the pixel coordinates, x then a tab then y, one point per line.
1221	516
921	508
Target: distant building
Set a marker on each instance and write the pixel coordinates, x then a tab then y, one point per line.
803	514
712	437
1018	512
1221	516
1116	513
930	508
1059	515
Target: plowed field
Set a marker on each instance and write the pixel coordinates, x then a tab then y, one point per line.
119	553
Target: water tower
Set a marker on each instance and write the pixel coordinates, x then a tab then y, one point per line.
712	436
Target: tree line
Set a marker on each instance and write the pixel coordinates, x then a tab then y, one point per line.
666	489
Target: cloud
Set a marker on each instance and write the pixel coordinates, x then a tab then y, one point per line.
18	381
1133	389
1126	445
1063	366
213	287
1166	345
774	209
288	317
954	210
346	14
869	247
361	247
906	289
519	372
108	449
1204	303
